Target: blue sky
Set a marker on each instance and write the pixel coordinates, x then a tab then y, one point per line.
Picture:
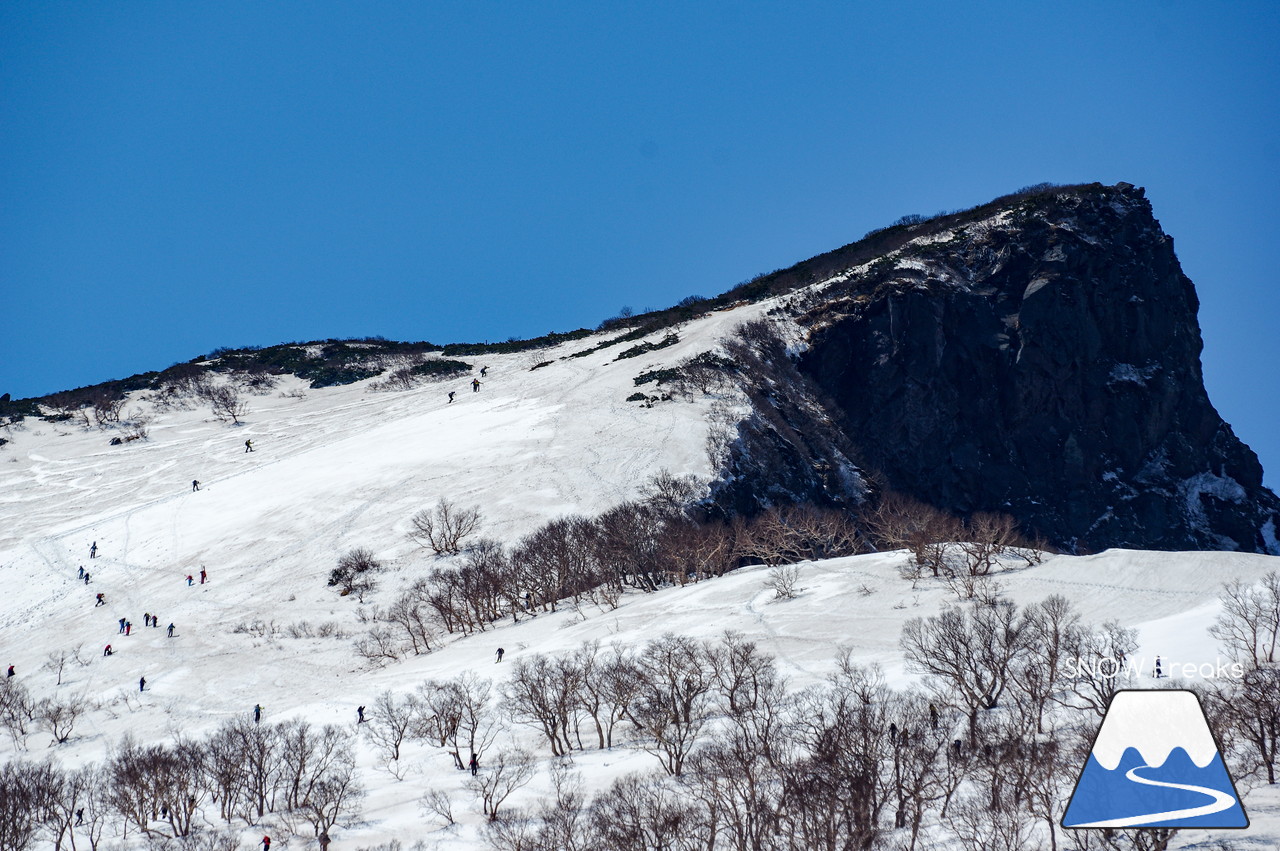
176	177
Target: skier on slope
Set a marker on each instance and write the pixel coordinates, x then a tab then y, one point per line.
475	385
451	394
93	550
248	446
101	601
195	485
171	630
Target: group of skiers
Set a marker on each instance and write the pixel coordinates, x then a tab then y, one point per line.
475	384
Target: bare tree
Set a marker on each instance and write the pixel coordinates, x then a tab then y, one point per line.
506	772
225	401
898	521
782	581
674	698
394	718
336	793
17	710
1249	625
543	692
975	652
57	660
457	716
987	536
444	527
59	717
411	616
27	794
353	575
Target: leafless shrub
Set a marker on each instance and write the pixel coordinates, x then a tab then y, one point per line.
444	527
413	619
17	710
225	402
353	575
379	647
438	804
506	772
457	716
782	581
59	717
1249	625
257	382
898	521
393	719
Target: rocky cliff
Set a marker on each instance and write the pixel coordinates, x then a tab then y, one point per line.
1042	360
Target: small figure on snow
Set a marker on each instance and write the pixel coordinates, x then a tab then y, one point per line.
484	370
10	674
203	575
474	765
171	630
128	627
266	843
195	485
248	446
1159	674
142	683
101	601
475	385
86	577
93	550
359	714
146	619
451	394
190	580
257	714
80	816
80	575
106	651
121	625
500	652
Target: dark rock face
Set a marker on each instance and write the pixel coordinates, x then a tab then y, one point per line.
1044	362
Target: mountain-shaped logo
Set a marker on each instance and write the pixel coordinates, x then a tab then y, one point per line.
1155	764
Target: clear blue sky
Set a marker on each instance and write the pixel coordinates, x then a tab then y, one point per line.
176	177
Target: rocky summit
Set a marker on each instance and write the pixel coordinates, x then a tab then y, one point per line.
1041	359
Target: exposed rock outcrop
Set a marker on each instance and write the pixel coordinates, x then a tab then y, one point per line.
1043	361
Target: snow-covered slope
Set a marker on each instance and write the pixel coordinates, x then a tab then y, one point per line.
345	467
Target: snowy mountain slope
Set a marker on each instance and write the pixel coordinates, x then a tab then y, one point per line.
344	467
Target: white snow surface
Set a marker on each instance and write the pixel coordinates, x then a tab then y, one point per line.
344	467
